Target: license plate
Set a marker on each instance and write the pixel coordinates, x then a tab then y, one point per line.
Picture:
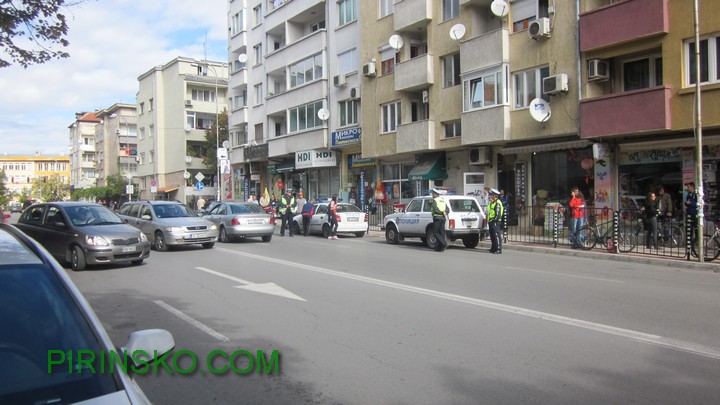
255	221
353	219
129	248
198	235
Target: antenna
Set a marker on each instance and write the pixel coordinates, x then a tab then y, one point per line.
499	8
457	31
540	110
396	42
205	44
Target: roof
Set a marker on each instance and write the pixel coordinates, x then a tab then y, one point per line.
12	250
167	189
89	117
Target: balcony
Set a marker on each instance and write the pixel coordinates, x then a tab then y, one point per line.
238	117
415	137
490	49
411	14
632	112
287	11
414	74
238	41
303	47
87	148
486	125
238	78
296	96
311	139
623	22
88	164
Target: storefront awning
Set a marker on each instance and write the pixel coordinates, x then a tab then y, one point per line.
546	147
285	166
167	189
430	167
686	142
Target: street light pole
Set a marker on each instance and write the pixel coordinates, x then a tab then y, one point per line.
698	140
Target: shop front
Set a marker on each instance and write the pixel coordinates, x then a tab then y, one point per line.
316	173
360	173
361	176
403	181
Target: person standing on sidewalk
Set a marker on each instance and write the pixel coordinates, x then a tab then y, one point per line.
287	210
577	208
665	207
691	202
495	215
650	209
439	210
307	211
332	217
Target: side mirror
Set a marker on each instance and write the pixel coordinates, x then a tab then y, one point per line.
149	341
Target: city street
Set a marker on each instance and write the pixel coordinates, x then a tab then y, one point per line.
358	321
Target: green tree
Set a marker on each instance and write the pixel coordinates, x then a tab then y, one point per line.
211	141
4	192
51	188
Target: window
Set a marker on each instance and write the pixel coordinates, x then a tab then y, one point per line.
151	102
240	100
418	48
709	60
526	11
347	10
306	70
348	61
451	70
152	156
305	117
642	73
528	85
203	95
258	94
317	26
484	89
385	7
389	117
257	14
237	23
451	129
388	58
142	108
202	70
238	66
151	131
257	50
142	133
348	112
142	158
450	9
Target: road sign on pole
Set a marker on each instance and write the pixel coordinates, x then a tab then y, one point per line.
199	185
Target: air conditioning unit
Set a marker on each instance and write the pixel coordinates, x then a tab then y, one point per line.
188	103
479	156
340	81
539	28
598	70
555	84
369	69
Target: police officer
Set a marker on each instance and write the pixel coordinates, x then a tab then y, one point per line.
439	212
287	210
495	215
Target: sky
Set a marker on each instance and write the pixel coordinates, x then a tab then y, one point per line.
112	42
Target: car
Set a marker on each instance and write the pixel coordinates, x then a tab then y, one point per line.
465	221
4	218
207	208
351	219
16	206
632	202
239	220
42	312
83	233
169	223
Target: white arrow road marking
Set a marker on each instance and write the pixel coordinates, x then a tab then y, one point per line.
210	331
675	344
265	288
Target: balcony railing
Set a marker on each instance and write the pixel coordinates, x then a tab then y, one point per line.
489	49
416	136
411	14
414	74
622	22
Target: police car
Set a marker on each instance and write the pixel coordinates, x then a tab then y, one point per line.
464	221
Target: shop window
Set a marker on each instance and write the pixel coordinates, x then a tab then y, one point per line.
556	172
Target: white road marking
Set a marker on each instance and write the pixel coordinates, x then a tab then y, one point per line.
210	331
656	340
265	288
565	275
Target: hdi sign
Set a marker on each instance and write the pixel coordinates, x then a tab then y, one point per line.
315	158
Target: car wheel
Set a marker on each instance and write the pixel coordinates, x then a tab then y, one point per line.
208	245
159	242
326	230
77	259
137	262
391	235
471	241
423	240
296	228
224	238
359	234
431	240
267	238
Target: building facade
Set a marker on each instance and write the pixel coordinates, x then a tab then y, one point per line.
22	171
116	142
83	159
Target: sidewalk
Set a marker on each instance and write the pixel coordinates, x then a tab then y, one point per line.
595	254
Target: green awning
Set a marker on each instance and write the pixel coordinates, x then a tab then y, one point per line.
430	167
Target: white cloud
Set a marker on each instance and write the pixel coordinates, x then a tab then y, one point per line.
112	42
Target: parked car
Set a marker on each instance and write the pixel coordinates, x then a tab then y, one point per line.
43	312
465	221
83	234
169	223
351	219
207	207
237	220
16	206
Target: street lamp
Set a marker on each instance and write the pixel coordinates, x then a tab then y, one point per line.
698	139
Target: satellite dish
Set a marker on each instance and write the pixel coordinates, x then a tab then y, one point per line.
499	8
186	175
242	58
187	127
457	31
188	159
540	110
396	42
323	114
226	144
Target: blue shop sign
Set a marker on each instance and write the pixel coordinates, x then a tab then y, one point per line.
355	161
346	137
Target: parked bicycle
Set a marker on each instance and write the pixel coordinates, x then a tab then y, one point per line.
670	235
711	244
595	232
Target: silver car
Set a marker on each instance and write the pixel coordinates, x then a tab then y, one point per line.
237	220
169	223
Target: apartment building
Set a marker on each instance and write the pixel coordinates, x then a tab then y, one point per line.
176	104
116	142
22	171
83	159
295	94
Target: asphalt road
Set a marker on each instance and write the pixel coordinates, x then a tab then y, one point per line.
357	321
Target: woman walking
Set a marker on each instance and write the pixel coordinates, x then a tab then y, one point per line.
332	217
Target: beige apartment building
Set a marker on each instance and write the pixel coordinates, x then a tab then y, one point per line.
116	142
83	159
21	171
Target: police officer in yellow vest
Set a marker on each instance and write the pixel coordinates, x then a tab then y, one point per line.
496	210
439	212
287	210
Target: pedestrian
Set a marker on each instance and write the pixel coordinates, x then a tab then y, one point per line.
352	196
439	211
665	210
332	217
287	210
496	211
307	211
200	203
300	203
691	202
485	198
577	211
650	212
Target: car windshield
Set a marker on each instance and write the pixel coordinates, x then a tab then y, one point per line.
92	215
246	209
347	208
40	318
173	211
464	205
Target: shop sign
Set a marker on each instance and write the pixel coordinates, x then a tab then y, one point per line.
256	152
255	177
651	156
346	137
520	182
355	161
315	158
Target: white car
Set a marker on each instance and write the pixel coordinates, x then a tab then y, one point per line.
351	219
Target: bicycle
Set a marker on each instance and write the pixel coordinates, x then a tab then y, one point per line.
711	245
590	234
669	235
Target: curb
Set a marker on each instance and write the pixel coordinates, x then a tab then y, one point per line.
599	255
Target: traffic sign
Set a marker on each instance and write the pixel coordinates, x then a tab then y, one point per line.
222	153
199	176
199	185
129	189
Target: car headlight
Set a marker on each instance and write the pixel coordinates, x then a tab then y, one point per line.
143	238
96	240
213	227
174	229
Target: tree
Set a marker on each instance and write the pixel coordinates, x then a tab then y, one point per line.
51	188
30	29
211	141
4	192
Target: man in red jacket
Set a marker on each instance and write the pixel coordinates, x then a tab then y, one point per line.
577	208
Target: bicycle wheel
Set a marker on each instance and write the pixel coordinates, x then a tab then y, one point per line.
675	237
586	238
627	240
712	248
